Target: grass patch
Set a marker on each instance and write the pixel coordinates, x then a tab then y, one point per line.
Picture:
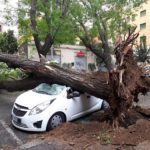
104	138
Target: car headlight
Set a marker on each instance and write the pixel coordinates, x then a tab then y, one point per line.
41	107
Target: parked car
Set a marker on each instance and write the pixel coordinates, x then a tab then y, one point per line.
47	106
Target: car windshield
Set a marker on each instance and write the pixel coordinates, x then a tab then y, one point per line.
53	89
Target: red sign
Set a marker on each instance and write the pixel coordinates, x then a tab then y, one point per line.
80	54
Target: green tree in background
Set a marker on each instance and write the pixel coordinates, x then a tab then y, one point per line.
8	43
104	19
46	22
142	51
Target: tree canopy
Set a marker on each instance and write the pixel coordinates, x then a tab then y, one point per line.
97	23
104	19
45	21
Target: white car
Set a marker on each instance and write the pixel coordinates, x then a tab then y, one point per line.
47	106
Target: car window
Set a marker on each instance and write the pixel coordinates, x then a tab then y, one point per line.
53	89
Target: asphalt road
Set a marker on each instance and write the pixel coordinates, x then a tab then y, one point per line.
12	138
9	136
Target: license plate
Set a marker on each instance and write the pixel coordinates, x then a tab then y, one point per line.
14	118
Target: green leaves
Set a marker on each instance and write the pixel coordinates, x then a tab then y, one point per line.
8	43
51	18
9	74
65	20
142	52
109	16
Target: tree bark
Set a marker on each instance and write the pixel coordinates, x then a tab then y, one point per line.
19	85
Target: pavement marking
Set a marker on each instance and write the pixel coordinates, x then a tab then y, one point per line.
31	144
10	131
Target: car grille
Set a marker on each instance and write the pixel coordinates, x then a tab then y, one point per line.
19	110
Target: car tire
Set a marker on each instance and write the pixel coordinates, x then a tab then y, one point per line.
55	120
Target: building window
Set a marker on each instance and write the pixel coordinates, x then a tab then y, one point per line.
142	26
143	40
143	13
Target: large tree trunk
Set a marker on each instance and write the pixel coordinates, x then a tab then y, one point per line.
19	85
94	83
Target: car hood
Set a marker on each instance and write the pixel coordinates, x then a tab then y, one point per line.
31	99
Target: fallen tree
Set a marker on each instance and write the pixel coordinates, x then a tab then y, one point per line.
120	87
39	72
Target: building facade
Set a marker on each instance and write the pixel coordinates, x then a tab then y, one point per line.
68	56
142	21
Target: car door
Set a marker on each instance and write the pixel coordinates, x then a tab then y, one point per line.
78	106
74	106
88	102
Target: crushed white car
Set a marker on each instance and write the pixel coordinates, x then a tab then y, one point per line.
47	106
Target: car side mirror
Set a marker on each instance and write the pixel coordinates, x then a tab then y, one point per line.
73	94
76	94
69	96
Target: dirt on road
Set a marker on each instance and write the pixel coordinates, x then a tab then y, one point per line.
97	135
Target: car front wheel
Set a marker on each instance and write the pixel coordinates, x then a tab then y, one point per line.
55	121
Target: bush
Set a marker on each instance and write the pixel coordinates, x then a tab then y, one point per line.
8	43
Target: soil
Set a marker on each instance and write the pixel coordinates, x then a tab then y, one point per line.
96	134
